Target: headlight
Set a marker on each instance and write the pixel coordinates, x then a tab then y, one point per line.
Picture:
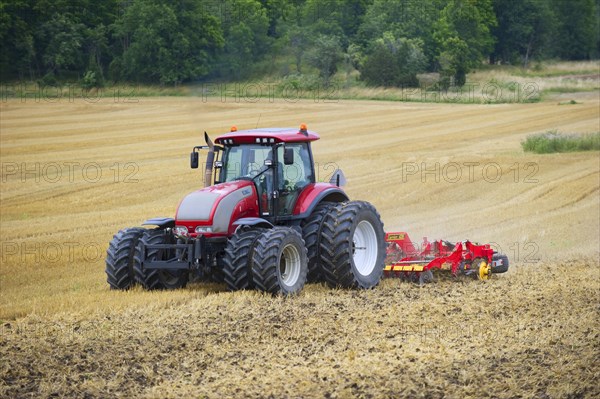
203	229
181	231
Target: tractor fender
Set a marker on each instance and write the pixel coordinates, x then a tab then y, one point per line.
314	194
257	222
162	223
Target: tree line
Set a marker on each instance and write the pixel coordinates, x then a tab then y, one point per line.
388	41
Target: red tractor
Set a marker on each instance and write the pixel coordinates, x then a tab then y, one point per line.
262	221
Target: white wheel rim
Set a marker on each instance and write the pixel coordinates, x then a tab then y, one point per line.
364	248
289	265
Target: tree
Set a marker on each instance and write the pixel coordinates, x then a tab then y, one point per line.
402	18
298	40
341	18
64	36
167	42
524	30
463	37
245	27
454	62
17	52
394	62
325	55
276	11
576	30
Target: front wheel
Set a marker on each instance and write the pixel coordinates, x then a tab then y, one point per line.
237	267
119	258
353	247
279	263
153	279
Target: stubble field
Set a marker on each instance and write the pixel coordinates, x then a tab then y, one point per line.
73	173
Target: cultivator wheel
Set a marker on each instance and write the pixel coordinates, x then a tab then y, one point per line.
153	279
353	248
237	262
279	262
311	231
473	268
484	270
500	263
119	258
425	277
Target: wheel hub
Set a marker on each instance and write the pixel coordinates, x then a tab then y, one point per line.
364	248
290	265
485	270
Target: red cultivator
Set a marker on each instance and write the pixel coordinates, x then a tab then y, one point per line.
405	261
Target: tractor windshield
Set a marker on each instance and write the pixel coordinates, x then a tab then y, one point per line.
247	162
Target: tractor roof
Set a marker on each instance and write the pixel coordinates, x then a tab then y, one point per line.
267	135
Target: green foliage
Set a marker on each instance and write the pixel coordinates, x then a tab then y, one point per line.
90	80
394	62
298	41
524	30
454	62
277	11
169	42
245	27
341	18
576	28
325	56
64	36
300	83
409	19
17	37
463	36
553	141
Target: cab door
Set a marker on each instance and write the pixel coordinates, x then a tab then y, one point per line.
294	172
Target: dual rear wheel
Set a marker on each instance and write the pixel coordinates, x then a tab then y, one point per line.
342	244
352	247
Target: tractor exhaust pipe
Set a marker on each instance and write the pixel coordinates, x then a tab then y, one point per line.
210	158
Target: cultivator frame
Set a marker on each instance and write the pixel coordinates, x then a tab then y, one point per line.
406	261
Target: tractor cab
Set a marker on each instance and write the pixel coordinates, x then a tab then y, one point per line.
278	162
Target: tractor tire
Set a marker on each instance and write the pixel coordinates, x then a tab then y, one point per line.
119	258
156	279
503	268
311	232
353	247
237	266
279	261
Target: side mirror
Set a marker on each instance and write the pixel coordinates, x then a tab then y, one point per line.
288	156
194	160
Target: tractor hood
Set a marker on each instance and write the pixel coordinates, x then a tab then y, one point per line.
213	206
